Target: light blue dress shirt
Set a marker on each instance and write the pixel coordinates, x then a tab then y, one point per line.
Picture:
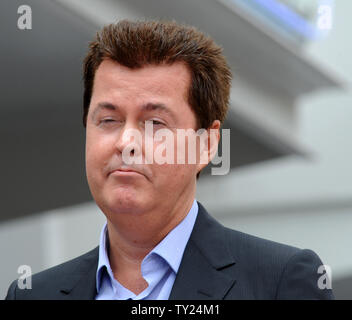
159	267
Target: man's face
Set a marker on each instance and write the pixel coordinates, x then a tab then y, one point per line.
124	99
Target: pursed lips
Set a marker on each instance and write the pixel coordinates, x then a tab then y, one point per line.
125	171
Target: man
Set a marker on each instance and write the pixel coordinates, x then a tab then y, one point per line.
159	242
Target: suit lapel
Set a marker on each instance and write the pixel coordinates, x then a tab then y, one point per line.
207	263
81	284
198	280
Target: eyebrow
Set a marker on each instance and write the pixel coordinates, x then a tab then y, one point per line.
103	105
150	106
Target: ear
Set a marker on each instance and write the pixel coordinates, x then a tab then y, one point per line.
209	142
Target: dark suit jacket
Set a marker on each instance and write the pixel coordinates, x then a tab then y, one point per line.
218	263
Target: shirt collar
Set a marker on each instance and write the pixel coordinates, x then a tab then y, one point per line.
171	248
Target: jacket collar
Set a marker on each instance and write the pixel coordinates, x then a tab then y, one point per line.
203	272
80	284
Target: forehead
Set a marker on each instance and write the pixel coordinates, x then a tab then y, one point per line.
169	80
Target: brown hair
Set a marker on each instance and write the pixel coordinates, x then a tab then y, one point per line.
136	43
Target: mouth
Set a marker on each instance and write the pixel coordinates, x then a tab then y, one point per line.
125	173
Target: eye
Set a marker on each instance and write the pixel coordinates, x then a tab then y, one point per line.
157	122
107	122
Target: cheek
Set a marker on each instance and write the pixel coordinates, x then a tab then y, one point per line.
93	155
173	176
97	144
184	163
97	155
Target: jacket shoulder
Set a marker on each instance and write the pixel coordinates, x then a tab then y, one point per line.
253	247
51	279
273	270
69	267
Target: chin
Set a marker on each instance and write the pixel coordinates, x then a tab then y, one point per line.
123	202
123	198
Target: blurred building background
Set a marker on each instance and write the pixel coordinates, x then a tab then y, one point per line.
290	121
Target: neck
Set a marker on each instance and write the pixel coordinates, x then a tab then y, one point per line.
132	237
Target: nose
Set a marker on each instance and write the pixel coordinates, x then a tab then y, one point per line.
129	143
